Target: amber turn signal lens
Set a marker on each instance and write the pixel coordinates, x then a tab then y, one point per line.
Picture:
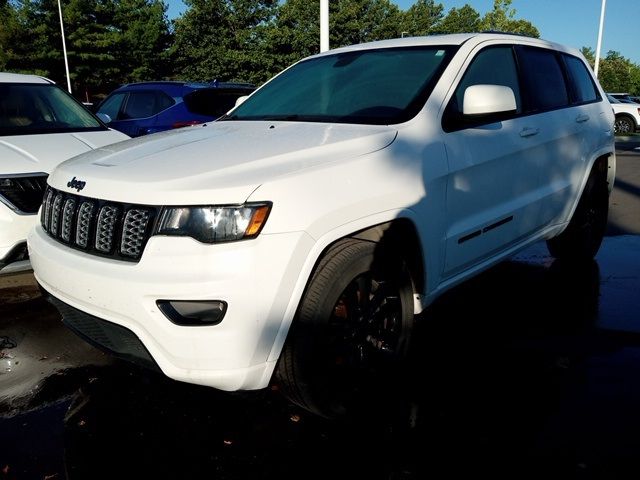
257	221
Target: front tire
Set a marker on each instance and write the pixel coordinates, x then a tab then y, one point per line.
351	332
583	236
624	125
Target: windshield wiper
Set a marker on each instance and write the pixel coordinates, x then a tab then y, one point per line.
283	118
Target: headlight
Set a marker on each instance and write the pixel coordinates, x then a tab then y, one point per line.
215	223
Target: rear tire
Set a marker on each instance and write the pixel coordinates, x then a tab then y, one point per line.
351	332
583	236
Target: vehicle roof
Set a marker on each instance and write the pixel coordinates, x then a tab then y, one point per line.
450	39
193	85
7	77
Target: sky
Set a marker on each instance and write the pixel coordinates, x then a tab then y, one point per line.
570	22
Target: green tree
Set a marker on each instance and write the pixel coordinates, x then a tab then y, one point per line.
223	39
295	33
615	73
108	42
142	39
460	20
422	17
358	21
92	45
8	27
589	54
502	18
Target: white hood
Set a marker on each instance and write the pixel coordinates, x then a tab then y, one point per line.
42	153
220	163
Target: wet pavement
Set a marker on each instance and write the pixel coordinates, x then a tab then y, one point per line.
530	370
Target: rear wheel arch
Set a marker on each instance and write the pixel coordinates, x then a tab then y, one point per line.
582	237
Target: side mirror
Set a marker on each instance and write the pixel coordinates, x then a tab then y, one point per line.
488	99
240	100
106	119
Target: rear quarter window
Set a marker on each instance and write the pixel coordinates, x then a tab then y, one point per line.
583	89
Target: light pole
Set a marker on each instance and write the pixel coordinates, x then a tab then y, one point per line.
324	25
599	46
64	48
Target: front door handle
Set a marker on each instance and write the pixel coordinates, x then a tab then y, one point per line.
529	132
582	118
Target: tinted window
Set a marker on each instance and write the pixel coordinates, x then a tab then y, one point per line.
30	109
492	66
212	102
145	104
543	77
383	86
111	106
583	89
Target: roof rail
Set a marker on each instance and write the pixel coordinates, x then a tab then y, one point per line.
500	32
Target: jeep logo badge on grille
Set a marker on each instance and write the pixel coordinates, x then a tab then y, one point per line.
77	184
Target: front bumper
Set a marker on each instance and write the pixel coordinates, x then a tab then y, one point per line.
255	277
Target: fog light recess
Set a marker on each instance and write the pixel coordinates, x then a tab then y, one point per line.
193	312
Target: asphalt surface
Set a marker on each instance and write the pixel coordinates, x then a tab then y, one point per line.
528	371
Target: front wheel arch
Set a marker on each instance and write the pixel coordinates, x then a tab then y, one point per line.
351	330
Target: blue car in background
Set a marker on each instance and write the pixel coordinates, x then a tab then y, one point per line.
148	107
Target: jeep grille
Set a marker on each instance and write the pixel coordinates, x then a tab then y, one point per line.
23	193
109	229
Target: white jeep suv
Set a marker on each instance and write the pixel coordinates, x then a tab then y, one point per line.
40	126
298	237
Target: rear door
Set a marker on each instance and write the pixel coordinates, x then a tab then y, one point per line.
589	125
561	146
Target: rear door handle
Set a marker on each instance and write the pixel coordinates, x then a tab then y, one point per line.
529	132
582	118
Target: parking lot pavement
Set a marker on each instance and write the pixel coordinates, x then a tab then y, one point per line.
528	371
624	213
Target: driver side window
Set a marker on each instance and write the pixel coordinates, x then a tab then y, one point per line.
492	66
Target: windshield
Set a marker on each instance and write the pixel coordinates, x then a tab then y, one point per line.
383	86
27	109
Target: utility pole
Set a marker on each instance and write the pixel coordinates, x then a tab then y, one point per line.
64	48
324	25
599	46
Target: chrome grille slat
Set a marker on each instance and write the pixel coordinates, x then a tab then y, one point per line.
56	214
97	227
67	218
105	229
46	209
83	224
133	230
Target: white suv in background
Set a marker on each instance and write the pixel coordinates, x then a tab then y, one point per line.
297	238
627	116
40	126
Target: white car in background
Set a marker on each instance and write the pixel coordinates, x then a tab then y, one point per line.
627	116
40	126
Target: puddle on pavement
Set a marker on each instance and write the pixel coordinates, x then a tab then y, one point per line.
529	370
